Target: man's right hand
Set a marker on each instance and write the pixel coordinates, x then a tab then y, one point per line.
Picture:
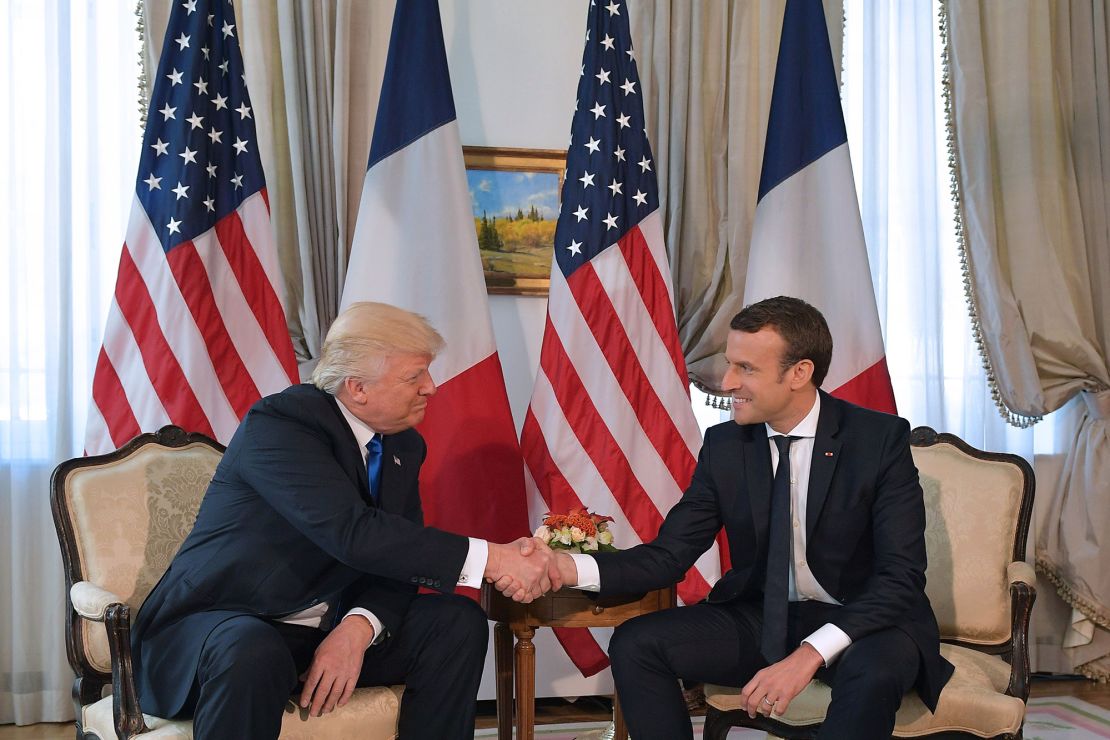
568	571
523	570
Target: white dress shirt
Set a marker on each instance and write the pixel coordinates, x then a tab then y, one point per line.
829	640
473	567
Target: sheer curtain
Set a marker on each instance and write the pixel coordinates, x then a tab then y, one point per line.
894	109
69	145
895	117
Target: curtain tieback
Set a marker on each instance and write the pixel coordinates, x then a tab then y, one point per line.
1098	404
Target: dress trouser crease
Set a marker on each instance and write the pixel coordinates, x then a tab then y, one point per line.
720	643
250	667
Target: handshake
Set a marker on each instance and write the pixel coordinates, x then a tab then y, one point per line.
527	568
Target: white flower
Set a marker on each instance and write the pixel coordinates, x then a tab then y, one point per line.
563	535
544	534
590	544
605	537
577	535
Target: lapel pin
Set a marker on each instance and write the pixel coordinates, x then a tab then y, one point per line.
827	454
397	460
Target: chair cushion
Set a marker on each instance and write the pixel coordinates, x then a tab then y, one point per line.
371	714
973	701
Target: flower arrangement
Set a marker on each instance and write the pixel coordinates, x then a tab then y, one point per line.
579	531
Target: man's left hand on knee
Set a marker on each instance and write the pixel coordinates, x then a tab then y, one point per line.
331	678
772	689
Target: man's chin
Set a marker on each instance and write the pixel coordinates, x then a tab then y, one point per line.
743	413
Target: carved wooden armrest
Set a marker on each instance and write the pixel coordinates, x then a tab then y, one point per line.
1023	592
100	605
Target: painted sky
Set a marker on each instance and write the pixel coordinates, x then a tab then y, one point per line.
502	193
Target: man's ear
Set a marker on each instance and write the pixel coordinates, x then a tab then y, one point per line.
355	388
801	374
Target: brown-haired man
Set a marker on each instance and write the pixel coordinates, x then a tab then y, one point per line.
828	552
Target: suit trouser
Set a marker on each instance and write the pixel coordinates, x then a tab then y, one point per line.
719	643
249	668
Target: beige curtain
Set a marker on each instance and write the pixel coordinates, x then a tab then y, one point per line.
313	70
1030	119
707	70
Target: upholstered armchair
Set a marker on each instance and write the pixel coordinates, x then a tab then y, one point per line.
978	506
120	519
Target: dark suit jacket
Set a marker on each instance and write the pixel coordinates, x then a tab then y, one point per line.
865	527
288	522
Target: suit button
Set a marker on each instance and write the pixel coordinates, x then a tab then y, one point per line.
436	584
413	580
423	581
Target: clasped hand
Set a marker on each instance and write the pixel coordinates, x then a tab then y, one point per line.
523	570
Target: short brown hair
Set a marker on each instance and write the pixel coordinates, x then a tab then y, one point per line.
801	326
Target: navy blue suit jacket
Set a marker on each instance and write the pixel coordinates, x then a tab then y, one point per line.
286	523
865	527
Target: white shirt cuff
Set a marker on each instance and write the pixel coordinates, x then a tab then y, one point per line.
379	628
589	577
830	641
475	565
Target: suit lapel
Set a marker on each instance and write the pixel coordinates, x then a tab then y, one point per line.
398	465
757	478
826	454
348	453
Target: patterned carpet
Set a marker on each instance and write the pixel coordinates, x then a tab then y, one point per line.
1048	718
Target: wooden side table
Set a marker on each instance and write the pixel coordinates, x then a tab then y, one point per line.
566	608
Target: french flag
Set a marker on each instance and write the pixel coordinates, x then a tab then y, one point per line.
807	239
415	247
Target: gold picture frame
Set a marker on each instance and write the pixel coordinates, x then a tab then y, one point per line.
514	195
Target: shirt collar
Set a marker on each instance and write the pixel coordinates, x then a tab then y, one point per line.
807	427
362	432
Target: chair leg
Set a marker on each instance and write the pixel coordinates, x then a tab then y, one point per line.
716	724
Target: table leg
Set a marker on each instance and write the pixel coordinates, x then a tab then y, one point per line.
503	663
621	731
525	669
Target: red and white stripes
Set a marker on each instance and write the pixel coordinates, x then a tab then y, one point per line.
609	426
195	335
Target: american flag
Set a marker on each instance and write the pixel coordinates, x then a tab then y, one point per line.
196	332
610	425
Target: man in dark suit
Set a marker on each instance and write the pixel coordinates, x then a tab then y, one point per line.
308	550
825	521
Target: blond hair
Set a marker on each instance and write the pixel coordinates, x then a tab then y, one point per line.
364	335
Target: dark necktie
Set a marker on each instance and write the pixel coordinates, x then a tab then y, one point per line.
776	587
374	466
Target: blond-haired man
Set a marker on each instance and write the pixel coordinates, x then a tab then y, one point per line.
308	550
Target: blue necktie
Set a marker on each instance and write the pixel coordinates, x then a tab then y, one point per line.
374	465
777	585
